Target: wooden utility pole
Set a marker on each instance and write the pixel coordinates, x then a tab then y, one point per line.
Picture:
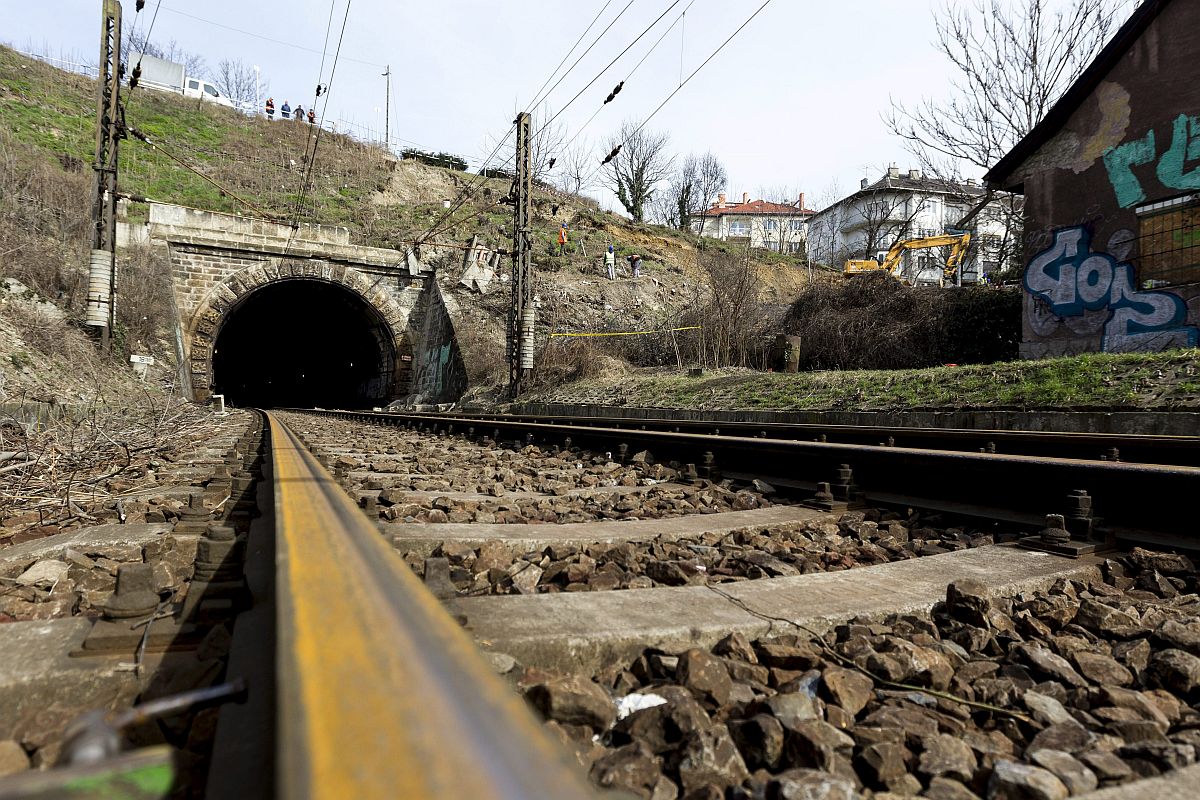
101	295
521	315
387	111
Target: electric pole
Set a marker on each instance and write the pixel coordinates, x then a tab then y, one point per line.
387	112
101	292
521	315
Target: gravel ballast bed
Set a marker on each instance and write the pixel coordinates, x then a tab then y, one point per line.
1044	695
856	539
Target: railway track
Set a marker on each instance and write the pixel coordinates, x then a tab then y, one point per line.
1102	500
378	652
1146	449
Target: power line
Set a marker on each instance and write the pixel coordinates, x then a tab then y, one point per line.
550	77
224	189
316	143
584	54
632	72
686	81
606	69
264	38
468	191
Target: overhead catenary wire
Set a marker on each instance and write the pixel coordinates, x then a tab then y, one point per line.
537	96
135	133
317	141
582	55
632	72
473	186
677	89
600	74
264	38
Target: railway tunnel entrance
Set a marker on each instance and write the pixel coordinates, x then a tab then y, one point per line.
305	343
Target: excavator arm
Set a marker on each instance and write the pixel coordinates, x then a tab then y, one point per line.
891	262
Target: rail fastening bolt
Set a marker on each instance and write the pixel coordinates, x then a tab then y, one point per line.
1055	531
134	595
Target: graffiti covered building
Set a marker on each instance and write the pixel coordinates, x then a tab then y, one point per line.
1111	179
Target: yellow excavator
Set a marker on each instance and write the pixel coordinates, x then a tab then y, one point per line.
891	263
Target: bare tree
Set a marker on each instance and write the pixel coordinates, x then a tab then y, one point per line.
546	143
236	80
134	43
692	188
1012	62
576	168
638	168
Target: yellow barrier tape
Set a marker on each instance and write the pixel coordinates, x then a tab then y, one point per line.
631	333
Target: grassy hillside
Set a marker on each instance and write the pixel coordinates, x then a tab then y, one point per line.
1166	381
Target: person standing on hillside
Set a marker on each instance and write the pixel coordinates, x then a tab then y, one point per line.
312	117
286	111
635	265
270	108
610	263
298	114
562	239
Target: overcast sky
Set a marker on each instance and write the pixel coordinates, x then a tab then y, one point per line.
794	101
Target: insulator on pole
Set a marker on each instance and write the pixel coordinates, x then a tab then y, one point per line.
611	155
613	94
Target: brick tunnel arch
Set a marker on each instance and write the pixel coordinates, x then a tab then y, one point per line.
301	333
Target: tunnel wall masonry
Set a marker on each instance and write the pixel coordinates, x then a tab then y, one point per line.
218	259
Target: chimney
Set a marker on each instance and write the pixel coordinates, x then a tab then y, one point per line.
863	184
970	181
914	174
745	198
893	171
800	202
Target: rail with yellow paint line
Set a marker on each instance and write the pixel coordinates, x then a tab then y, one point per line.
381	692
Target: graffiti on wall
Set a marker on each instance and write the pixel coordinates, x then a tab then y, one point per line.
1171	166
1072	279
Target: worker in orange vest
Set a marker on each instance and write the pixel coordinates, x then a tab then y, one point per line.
312	116
562	239
270	108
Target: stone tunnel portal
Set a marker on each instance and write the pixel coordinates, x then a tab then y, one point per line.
304	343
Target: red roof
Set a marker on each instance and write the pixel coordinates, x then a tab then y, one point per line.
758	207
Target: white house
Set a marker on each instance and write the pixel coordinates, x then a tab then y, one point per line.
901	206
759	223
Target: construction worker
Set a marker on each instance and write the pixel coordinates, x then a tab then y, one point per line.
270	108
610	263
286	111
312	117
562	239
635	265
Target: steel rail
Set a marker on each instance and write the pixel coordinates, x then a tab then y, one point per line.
1146	448
1138	501
381	693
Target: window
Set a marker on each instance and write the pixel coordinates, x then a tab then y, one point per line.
193	84
739	227
795	247
771	224
796	225
209	89
1168	244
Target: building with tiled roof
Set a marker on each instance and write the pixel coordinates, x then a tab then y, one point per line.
909	205
760	224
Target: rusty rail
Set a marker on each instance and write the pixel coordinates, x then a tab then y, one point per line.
381	693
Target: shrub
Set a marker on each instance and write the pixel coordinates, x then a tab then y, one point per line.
876	322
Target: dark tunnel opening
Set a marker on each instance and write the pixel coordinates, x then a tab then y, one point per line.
304	343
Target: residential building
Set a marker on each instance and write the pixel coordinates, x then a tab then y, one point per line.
1112	196
761	224
901	206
